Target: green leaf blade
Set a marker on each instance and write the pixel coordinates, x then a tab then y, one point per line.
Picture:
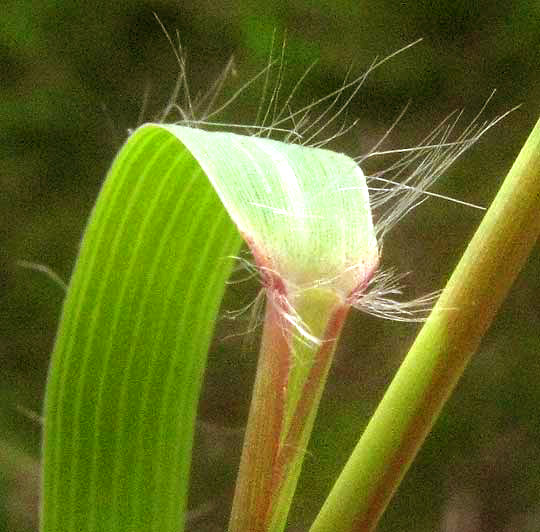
138	318
103	427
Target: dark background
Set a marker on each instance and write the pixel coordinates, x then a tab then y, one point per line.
73	80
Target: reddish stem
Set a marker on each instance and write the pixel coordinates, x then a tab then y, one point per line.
265	422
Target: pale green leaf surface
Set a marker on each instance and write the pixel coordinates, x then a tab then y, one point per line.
306	210
139	314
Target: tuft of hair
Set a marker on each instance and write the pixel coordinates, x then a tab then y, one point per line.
383	299
400	188
395	191
272	291
251	313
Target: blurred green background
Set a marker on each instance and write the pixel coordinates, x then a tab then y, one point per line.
74	76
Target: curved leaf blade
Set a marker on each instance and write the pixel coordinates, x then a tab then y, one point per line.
136	325
123	388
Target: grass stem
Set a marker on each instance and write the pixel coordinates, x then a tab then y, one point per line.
290	378
441	351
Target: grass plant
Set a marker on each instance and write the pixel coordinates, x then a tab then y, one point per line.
141	306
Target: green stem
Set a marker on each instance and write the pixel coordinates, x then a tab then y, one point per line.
441	351
290	378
